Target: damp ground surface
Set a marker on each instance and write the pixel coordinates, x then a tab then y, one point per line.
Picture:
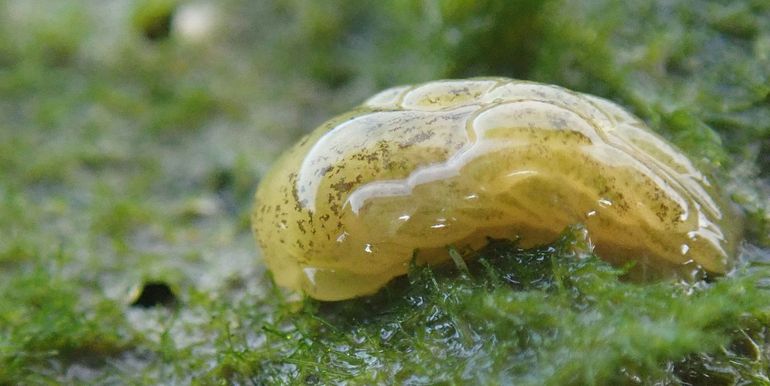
133	134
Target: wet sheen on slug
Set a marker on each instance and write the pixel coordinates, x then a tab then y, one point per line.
418	168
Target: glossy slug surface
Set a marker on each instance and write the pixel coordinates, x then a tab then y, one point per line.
418	168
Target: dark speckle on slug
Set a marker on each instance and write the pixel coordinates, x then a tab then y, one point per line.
417	168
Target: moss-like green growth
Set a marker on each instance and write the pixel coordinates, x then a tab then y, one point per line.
125	161
552	315
43	319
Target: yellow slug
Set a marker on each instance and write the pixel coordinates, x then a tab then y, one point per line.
418	168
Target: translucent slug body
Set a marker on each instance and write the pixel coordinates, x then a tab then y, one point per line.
418	168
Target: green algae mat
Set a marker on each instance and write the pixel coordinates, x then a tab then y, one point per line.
133	135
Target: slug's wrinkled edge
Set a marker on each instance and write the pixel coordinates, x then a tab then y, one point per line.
417	168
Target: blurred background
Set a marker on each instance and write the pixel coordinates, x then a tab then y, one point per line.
134	132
